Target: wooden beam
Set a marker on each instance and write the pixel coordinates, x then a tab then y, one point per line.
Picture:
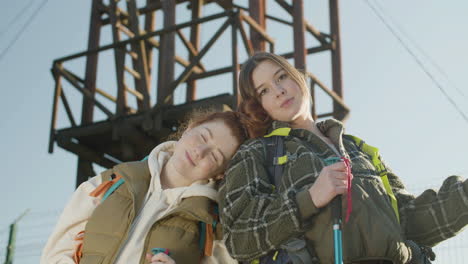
91	62
337	81
299	36
87	94
336	98
255	26
235	56
85	152
166	53
247	43
197	6
257	12
186	73
140	64
119	59
143	36
150	26
53	123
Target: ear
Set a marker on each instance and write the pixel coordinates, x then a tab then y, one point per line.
218	177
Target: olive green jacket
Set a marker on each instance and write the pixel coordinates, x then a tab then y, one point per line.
109	225
258	218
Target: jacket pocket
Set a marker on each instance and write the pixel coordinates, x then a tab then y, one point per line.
373	231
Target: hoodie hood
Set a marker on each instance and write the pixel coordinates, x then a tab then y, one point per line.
158	157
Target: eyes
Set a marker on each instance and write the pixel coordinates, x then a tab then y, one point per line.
213	157
282	77
264	90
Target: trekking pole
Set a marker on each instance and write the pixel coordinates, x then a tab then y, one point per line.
336	218
337	240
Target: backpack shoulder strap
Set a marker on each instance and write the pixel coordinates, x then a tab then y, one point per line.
274	147
210	232
276	157
107	187
373	152
275	153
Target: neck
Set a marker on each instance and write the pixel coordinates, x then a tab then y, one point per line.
170	178
309	124
305	122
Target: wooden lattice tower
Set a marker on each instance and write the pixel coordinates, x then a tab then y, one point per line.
128	131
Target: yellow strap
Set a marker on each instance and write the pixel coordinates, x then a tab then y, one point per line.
283	131
374	153
275	256
257	261
392	196
282	160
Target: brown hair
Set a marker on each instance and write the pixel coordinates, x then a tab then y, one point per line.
250	104
237	122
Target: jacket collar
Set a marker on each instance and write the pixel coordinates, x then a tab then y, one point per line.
331	128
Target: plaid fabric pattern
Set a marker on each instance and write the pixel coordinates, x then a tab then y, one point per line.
257	218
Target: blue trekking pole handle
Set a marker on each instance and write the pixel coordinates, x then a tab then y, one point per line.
336	218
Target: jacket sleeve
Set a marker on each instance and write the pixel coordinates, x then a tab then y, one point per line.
256	219
61	244
434	215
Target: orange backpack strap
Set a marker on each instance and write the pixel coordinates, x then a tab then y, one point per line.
106	185
79	247
209	240
207	232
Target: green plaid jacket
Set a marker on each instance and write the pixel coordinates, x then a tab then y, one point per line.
258	218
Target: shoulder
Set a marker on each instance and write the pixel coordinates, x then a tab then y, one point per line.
252	148
354	146
251	145
133	170
247	158
349	140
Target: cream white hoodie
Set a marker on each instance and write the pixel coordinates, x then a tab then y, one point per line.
158	203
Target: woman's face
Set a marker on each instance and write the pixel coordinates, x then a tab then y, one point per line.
204	150
279	95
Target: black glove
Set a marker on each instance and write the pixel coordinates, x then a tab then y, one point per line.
420	254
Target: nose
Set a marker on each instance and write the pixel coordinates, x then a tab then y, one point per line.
279	89
201	150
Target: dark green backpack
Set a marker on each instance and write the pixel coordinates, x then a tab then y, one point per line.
294	251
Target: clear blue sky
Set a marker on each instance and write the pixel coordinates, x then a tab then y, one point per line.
394	104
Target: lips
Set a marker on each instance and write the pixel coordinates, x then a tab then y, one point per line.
287	102
187	155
